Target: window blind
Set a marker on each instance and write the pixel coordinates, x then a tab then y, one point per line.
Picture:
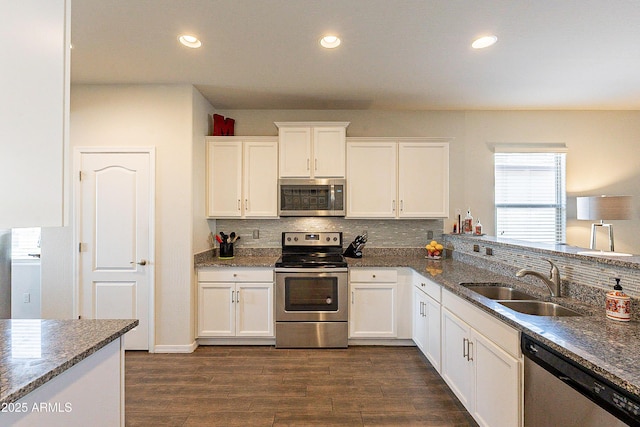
25	241
530	196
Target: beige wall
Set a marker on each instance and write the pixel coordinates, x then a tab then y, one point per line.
169	118
601	156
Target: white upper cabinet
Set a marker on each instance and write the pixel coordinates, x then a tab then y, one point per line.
423	179
397	177
312	149
242	177
371	179
34	113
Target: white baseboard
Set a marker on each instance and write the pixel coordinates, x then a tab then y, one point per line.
398	342
236	341
190	348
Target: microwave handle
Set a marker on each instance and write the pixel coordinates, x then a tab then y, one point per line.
332	197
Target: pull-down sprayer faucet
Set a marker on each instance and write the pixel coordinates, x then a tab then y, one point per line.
553	282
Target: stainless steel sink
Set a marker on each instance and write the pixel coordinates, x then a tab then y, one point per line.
498	292
539	308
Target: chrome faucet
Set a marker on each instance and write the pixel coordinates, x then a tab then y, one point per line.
553	282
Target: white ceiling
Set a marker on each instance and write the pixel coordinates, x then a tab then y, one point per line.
395	54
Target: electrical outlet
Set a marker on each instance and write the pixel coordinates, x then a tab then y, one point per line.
430	235
488	251
26	297
256	234
476	248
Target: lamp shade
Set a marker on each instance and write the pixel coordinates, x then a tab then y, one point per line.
604	207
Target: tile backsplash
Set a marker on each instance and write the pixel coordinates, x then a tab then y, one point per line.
409	233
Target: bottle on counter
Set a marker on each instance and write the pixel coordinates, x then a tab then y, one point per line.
618	304
467	227
478	229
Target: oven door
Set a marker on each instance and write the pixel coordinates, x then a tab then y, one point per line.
311	295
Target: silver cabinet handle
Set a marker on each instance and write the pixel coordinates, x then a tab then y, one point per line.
237	296
464	348
141	262
232	296
393	205
316	164
246	204
308	160
352	297
238	204
469	350
401	205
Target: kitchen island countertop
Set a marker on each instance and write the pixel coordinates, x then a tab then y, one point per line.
34	351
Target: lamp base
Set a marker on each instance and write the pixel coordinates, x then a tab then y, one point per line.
593	234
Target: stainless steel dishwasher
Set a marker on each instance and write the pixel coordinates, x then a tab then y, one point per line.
558	392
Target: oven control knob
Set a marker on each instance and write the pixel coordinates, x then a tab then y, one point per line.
295	239
335	239
329	300
288	239
328	239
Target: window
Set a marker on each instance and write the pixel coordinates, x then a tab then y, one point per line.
530	196
25	243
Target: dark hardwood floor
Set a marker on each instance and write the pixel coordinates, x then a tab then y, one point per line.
265	386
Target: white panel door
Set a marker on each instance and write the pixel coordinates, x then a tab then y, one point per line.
329	152
115	217
456	364
373	310
371	186
423	180
261	179
254	309
295	152
216	309
224	179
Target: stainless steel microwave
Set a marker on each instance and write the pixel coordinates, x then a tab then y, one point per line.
311	197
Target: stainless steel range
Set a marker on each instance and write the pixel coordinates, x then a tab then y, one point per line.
311	291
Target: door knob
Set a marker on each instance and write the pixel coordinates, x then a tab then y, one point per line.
141	262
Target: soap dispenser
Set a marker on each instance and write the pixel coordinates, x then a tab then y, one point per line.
618	304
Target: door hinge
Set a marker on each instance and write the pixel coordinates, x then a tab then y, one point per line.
79	247
80	176
79	317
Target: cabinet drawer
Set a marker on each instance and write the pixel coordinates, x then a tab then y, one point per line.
427	286
225	274
373	275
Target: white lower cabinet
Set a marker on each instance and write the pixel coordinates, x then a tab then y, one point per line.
426	318
235	302
481	364
373	302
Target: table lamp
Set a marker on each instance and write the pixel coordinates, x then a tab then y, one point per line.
603	208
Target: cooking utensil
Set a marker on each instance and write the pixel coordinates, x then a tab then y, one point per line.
232	237
218	239
235	238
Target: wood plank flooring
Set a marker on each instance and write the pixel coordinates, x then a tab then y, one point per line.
265	386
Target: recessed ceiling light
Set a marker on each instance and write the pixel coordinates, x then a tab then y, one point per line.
190	41
330	42
483	42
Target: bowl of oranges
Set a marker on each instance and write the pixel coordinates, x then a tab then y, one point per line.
434	250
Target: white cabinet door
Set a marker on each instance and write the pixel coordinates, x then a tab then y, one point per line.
216	309
329	152
373	310
34	113
432	349
423	179
295	152
457	366
224	179
420	336
260	179
254	309
371	183
496	379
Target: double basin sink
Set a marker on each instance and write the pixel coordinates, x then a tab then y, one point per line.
519	301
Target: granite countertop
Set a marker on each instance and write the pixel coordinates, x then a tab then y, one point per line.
607	347
34	351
